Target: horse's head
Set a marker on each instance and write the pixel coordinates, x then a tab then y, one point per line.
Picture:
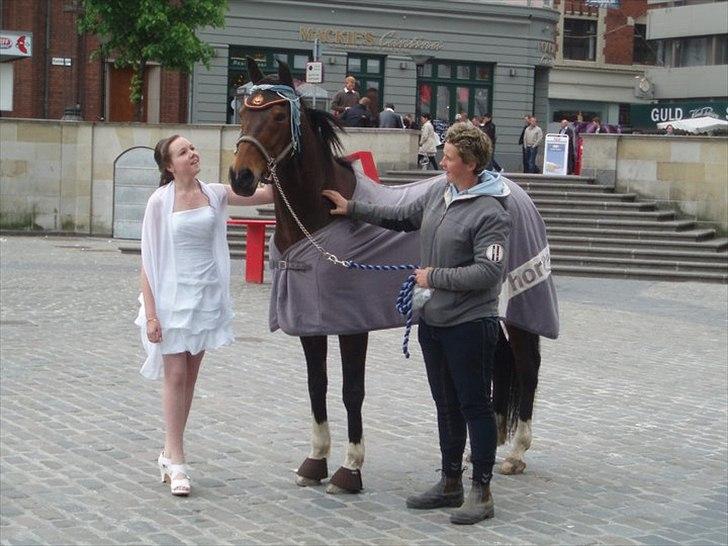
268	135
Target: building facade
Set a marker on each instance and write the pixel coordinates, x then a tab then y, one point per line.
601	54
440	57
61	77
690	75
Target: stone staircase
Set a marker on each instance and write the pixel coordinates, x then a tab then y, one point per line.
597	232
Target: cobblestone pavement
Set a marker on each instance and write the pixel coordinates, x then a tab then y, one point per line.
629	444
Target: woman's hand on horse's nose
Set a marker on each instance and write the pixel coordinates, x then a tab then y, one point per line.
340	203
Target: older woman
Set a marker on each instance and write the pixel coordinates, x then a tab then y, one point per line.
464	232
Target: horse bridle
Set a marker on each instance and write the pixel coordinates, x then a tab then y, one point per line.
272	176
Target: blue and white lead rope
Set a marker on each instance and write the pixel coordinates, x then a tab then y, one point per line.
288	93
404	298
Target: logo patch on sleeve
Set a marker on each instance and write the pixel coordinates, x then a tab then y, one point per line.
494	253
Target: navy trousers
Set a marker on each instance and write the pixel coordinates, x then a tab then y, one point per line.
459	361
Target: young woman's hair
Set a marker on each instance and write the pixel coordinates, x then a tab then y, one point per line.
426	115
472	144
161	156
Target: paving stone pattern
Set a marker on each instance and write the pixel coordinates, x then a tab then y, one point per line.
630	422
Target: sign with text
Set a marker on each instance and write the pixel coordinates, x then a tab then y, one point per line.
315	72
556	154
649	115
16	44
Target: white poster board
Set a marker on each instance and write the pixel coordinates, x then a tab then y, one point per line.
315	72
556	154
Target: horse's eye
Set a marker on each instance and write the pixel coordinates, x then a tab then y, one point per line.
279	116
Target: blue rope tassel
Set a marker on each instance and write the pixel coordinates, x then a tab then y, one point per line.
404	298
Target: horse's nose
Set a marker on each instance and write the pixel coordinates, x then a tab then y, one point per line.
242	182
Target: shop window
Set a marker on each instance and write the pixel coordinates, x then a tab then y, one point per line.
369	73
445	89
643	52
580	39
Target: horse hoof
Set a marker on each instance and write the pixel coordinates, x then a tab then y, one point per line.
512	466
306	482
345	480
311	472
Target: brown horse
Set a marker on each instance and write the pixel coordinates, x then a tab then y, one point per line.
300	159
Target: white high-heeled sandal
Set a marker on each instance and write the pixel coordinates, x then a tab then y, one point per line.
163	463
178	486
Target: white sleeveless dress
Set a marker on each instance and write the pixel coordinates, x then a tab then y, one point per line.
201	319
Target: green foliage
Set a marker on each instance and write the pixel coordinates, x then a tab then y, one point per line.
133	32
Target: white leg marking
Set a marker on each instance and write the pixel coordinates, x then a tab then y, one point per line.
320	441
521	440
354	456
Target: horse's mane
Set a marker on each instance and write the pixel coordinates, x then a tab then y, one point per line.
324	126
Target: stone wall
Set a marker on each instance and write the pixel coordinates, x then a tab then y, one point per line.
59	176
687	172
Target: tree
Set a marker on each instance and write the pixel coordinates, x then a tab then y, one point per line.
134	32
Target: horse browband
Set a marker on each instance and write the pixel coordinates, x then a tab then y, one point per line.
258	102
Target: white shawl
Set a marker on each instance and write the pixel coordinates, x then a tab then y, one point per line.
158	262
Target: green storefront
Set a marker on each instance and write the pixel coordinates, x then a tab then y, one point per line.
647	116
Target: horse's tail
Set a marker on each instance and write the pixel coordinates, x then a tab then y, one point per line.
506	391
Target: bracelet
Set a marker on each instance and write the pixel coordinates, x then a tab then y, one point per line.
153	319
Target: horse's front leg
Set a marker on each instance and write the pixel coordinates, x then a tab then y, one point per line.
314	468
347	479
527	360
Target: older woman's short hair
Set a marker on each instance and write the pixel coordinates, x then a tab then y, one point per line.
472	144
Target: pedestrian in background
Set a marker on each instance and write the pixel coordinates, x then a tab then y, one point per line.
428	143
346	98
358	115
185	287
488	127
464	232
526	123
567	130
532	137
390	119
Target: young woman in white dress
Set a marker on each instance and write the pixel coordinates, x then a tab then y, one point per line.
185	294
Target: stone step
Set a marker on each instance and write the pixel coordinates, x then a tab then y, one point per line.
641	263
629	233
413	175
526	184
668	245
597	223
549	213
627	253
645	274
583	196
594	204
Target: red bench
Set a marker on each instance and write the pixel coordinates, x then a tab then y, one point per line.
255	237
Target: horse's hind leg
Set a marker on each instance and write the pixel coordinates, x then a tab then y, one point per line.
314	468
347	479
527	359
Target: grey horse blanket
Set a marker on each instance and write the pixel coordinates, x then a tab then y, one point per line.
312	296
528	296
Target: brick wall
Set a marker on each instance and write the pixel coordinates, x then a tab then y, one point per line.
81	83
619	40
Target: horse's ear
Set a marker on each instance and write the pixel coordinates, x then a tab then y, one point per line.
253	70
284	74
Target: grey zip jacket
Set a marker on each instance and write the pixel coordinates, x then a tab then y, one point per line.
463	236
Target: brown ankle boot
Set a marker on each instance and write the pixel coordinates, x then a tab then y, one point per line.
448	492
477	506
